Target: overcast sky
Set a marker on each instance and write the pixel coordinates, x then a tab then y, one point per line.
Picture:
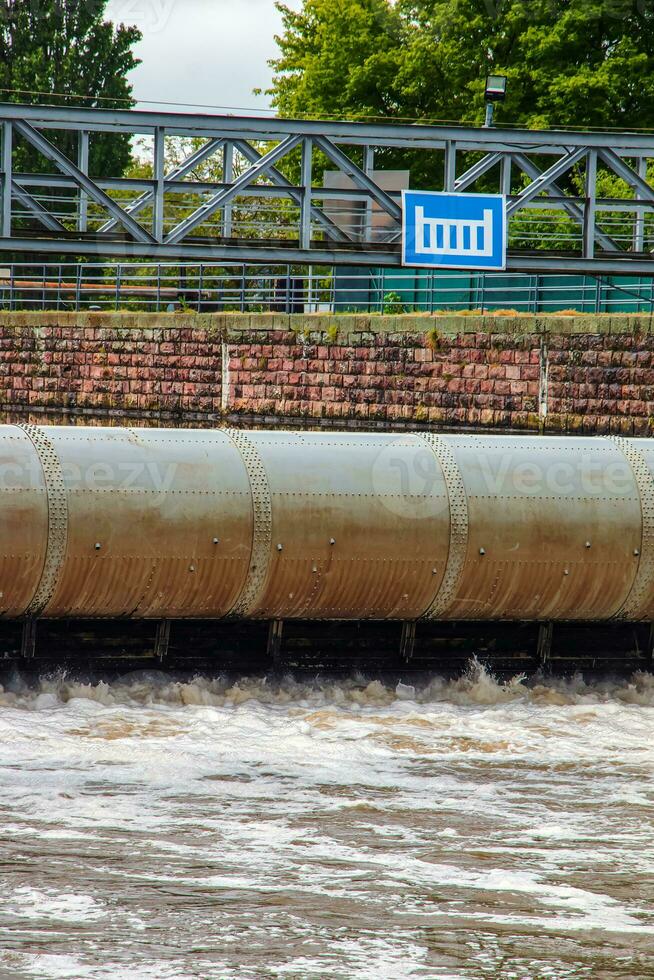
202	52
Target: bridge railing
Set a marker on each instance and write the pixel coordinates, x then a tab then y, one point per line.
204	288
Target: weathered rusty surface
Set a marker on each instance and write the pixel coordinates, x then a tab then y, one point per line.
360	525
145	509
23	521
554	528
165	524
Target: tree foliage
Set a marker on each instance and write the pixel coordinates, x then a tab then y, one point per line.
66	48
569	62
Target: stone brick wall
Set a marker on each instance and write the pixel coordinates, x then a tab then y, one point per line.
581	374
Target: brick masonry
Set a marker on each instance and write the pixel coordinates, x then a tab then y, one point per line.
590	374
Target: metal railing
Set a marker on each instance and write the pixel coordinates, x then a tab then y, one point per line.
200	288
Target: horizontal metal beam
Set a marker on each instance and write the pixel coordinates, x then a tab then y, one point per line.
416	135
627	264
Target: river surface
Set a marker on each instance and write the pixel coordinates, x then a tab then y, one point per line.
160	829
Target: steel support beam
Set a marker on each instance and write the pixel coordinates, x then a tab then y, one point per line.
639	224
36	209
67	167
193	161
622	264
546	178
158	170
387	134
574	210
590	209
7	179
83	164
228	177
305	216
317	215
362	180
205	211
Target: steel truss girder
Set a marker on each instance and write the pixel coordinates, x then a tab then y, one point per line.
501	148
219	200
67	167
553	190
202	154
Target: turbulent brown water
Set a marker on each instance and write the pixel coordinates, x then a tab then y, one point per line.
165	830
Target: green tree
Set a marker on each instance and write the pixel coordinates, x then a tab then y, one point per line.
569	62
59	50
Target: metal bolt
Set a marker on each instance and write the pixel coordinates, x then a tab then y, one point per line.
332	541
636	552
192	568
280	547
566	571
482	551
216	541
588	544
98	546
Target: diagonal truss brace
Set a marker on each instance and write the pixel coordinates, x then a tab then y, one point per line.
477	170
36	208
545	179
194	160
366	183
553	190
622	169
318	215
68	168
223	197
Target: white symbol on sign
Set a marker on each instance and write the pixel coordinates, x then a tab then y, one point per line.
454	236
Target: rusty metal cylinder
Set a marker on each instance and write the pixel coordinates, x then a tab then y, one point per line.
167	524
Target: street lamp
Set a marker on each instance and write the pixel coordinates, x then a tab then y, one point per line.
495	92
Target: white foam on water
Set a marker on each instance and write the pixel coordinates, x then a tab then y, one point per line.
253	819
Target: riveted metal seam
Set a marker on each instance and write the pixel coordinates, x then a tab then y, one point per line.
459	523
643	583
257	574
57	499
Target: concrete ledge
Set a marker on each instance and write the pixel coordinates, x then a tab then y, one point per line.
341	326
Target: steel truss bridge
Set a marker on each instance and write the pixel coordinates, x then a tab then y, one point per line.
248	189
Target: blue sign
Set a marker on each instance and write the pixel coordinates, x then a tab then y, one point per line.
453	231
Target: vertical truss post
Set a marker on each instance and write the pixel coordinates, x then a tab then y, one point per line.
305	211
589	210
5	210
228	177
505	174
368	169
639	223
159	188
82	196
449	179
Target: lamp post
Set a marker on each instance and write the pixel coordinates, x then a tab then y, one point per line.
495	92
